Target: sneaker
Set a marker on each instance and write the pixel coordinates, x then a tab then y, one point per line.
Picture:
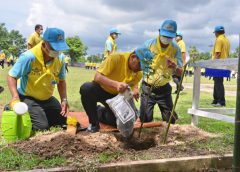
213	103
219	105
93	128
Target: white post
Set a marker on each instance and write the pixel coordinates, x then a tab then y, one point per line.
196	93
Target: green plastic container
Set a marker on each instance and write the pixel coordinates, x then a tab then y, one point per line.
15	127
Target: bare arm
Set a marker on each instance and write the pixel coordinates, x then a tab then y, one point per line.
110	52
136	92
62	90
103	80
178	71
183	58
29	46
12	85
217	55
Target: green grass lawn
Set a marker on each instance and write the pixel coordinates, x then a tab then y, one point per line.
10	159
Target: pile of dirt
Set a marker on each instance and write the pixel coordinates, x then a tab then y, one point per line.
63	144
86	144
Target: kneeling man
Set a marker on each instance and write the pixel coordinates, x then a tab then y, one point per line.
118	72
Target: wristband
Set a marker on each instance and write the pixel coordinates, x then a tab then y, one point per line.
64	100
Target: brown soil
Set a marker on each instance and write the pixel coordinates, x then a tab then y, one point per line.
86	148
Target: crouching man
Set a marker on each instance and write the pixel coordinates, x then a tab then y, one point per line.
34	76
118	72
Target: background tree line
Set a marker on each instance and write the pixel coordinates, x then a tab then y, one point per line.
13	42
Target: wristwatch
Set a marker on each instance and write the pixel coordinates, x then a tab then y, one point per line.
64	100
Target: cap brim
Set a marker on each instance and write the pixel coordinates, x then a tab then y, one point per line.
59	46
116	33
167	33
218	30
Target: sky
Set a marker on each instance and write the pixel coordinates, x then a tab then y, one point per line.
137	20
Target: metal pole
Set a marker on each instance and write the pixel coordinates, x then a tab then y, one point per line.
236	152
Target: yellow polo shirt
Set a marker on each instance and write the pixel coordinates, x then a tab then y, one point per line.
34	39
67	58
182	46
110	45
222	45
161	74
115	67
2	56
37	79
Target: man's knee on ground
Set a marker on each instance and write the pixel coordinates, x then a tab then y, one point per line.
40	127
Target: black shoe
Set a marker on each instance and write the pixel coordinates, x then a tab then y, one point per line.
80	128
219	105
213	103
93	128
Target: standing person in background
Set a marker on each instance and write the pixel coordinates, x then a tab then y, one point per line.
221	50
182	46
67	59
35	38
10	60
2	59
110	45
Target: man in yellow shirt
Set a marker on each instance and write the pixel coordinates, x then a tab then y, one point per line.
67	59
182	46
10	60
35	38
2	59
221	50
34	76
166	62
118	72
110	44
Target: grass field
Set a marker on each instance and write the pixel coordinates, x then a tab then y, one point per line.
10	159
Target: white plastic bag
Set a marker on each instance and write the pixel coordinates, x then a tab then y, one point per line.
125	111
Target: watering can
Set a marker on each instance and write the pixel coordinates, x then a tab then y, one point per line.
16	124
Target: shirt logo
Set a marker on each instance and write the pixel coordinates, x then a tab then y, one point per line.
60	37
36	71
